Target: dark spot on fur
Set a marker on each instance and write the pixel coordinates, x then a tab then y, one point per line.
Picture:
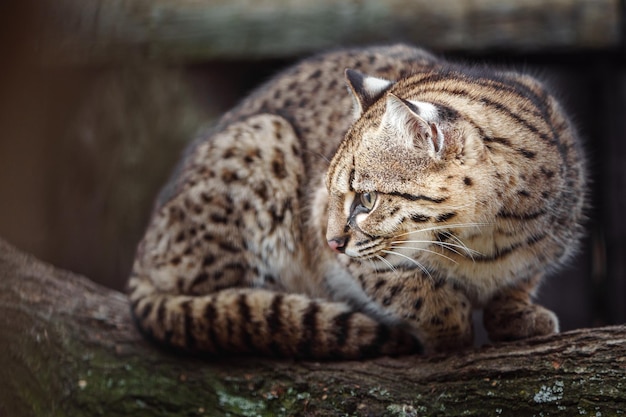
228	175
447	113
528	154
439	282
208	260
316	74
261	190
229	153
278	164
228	247
218	218
468	181
200	279
445	216
419	218
436	321
548	173
395	290
206	199
420	197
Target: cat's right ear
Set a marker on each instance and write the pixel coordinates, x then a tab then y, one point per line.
365	89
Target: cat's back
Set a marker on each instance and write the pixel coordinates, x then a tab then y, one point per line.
313	96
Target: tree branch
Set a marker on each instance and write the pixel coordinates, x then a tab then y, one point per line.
68	347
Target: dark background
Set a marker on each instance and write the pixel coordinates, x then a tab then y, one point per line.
85	146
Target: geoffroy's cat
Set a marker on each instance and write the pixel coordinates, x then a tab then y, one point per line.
322	221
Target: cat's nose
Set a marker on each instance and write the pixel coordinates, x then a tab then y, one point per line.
338	244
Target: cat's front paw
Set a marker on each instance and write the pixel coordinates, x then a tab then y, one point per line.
524	321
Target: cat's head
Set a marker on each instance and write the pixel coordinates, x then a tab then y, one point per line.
407	171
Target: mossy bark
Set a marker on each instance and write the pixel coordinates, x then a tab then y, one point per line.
69	348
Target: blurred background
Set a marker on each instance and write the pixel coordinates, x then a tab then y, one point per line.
97	100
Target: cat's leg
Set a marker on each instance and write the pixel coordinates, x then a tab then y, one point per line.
437	311
511	314
443	314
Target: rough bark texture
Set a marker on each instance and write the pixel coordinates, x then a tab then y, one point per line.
69	348
101	31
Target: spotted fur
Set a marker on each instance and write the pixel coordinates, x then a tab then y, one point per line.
322	221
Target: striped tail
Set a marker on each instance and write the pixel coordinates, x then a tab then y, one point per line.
255	321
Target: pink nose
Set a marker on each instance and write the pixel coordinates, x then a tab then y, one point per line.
338	244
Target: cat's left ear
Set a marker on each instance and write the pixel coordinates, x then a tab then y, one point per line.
365	89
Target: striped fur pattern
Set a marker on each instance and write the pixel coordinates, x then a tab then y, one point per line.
321	221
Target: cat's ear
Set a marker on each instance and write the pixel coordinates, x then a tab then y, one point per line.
365	89
413	124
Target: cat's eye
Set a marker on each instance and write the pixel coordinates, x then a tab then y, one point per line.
368	200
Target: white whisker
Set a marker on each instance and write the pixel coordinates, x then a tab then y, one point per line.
446	226
469	251
425	250
419	265
386	262
319	155
432	242
447	245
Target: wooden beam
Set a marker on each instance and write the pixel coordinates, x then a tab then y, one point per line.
96	31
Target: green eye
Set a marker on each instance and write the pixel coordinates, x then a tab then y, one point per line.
368	199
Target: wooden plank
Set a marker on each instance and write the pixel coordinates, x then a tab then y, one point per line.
192	30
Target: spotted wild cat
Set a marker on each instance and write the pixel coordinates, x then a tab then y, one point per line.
322	221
